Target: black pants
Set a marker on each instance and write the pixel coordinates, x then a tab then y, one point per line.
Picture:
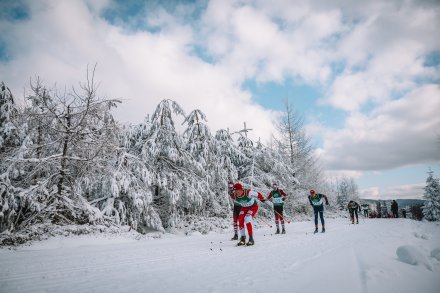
279	217
354	212
319	210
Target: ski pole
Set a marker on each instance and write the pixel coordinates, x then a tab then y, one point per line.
264	221
282	216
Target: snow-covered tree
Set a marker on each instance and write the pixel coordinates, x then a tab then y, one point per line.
178	186
346	190
431	208
294	144
9	137
201	146
69	145
128	198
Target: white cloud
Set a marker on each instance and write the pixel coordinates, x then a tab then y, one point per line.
383	53
383	49
63	37
402	132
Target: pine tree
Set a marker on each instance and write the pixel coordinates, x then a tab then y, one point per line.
130	198
9	137
177	183
431	208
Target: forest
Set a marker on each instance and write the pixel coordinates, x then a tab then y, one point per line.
65	160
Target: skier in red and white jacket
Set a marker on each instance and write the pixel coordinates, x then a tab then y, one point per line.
249	207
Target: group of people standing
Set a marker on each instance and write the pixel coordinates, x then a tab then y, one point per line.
246	207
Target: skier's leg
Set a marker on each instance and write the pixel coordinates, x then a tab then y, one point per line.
321	215
235	216
315	210
250	214
241	222
281	216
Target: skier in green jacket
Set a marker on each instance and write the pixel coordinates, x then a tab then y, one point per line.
353	207
278	196
315	200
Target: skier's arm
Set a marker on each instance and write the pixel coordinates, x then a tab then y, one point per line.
283	194
269	196
326	199
256	195
310	200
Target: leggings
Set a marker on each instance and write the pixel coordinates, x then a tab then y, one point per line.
235	216
320	210
279	217
353	213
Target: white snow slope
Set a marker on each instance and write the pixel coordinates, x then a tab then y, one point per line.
378	255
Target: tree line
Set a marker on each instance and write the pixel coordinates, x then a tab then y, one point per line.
66	160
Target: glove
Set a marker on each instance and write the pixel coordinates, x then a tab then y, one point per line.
284	198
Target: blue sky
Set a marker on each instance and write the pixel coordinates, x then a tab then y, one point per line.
364	74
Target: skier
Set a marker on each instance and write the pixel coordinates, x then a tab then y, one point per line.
315	200
353	208
278	196
365	209
236	210
249	207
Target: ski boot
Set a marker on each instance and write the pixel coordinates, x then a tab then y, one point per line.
323	230
278	231
242	241
357	221
235	237
251	241
283	231
316	230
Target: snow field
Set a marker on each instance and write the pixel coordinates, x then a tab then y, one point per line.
378	255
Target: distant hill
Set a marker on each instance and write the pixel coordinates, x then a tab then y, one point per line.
410	202
401	202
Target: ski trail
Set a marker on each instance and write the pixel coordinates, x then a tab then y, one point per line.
347	258
360	271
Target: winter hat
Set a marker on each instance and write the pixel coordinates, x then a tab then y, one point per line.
238	186
312	191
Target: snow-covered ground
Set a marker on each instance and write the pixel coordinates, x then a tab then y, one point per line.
378	255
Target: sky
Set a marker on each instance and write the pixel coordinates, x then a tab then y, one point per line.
378	255
364	75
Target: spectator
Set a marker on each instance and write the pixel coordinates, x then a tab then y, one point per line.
395	209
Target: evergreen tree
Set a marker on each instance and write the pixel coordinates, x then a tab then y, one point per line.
431	208
201	146
226	157
178	186
130	199
9	137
